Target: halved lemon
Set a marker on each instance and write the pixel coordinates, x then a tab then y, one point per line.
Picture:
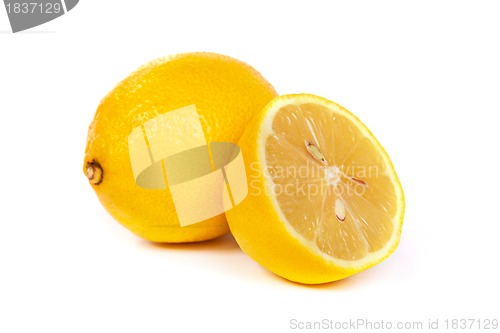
324	201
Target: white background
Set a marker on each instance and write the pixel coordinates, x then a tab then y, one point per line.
424	76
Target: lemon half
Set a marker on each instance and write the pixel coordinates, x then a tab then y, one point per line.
324	199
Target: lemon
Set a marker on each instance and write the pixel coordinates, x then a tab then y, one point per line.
226	93
324	200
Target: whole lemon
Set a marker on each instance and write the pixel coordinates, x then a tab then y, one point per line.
226	93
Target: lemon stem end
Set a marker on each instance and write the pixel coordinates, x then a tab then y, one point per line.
94	173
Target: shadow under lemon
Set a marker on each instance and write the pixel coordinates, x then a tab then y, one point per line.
223	243
236	263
